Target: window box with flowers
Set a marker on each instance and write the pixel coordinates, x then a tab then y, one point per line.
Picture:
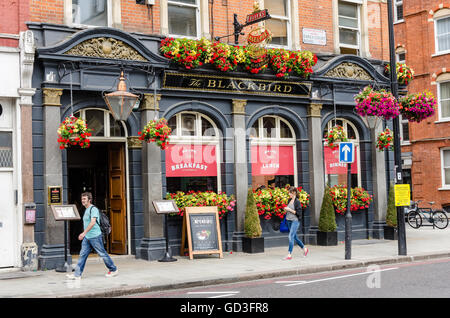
379	103
360	200
156	131
417	107
191	54
73	131
270	203
385	140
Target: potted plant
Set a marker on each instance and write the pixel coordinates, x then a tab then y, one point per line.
380	103
327	234
385	140
417	107
156	131
252	242
73	131
390	229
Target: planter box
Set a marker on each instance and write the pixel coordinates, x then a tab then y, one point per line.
253	245
390	233
327	238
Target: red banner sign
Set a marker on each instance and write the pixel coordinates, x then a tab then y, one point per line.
272	160
191	161
332	164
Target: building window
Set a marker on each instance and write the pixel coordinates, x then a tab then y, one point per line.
91	12
404	131
102	123
445	164
193	155
398	10
273	153
442	27
444	100
6	151
280	23
335	172
349	27
400	55
183	17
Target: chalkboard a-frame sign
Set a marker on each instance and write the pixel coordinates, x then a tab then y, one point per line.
201	224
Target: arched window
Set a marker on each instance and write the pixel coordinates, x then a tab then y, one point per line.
335	172
273	153
102	123
193	154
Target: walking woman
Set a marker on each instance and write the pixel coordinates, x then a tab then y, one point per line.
293	214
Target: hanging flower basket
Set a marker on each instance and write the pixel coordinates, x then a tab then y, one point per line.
335	135
370	102
405	74
156	131
385	140
73	131
417	107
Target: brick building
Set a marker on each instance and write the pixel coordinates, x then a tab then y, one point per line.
81	46
16	174
425	147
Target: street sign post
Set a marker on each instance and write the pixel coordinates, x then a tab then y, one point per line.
347	155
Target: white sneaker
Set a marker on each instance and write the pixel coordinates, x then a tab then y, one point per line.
73	277
112	274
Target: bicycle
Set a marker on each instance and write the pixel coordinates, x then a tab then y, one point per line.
437	218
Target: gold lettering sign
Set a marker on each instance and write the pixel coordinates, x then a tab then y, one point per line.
200	82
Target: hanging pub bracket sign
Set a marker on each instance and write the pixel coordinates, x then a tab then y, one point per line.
256	16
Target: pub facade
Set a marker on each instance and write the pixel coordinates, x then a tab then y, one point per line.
248	131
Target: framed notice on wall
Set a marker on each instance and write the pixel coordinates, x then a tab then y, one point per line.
201	224
54	195
65	212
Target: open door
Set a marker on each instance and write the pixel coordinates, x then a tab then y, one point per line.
117	198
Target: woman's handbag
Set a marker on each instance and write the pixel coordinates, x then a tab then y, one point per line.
284	228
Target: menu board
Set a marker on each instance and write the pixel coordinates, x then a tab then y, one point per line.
65	212
203	231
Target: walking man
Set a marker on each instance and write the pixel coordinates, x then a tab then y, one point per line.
91	238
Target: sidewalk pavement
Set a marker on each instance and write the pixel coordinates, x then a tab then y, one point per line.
145	276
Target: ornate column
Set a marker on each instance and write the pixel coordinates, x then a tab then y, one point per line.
379	185
240	169
52	252
152	246
316	172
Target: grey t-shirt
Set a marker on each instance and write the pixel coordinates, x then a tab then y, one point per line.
290	216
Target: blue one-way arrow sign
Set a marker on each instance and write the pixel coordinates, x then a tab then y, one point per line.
346	152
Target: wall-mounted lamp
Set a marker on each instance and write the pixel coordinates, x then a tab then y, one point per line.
121	102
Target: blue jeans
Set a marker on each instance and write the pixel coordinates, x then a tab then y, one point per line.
87	245
293	227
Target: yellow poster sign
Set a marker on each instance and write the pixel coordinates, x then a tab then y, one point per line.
402	194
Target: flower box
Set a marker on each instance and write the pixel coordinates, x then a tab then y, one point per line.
271	202
390	233
253	244
327	238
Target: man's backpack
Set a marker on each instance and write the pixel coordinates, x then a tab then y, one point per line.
103	223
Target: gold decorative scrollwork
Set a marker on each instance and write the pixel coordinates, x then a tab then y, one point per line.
106	48
349	70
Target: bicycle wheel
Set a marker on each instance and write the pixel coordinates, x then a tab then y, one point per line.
414	219
440	219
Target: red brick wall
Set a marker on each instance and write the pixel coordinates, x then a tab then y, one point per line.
316	14
416	34
13	15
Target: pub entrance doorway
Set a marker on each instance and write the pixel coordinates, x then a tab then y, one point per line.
99	169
